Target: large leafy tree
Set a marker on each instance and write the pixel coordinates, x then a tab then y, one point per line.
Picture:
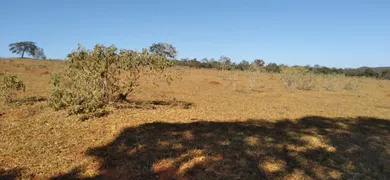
23	47
164	49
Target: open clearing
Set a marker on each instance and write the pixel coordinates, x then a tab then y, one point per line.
198	128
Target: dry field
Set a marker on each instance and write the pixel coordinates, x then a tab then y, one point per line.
199	128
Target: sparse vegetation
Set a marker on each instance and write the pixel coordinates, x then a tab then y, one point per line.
9	86
352	85
303	79
298	78
197	127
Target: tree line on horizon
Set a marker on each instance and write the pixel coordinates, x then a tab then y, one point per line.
223	63
227	64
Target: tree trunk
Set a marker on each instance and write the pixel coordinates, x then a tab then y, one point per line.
23	54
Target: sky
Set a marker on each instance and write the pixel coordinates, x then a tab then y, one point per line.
335	33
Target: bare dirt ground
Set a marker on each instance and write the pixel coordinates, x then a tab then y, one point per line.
199	128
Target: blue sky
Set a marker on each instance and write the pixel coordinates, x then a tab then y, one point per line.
340	33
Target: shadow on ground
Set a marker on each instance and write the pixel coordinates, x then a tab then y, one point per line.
29	100
141	104
10	174
307	148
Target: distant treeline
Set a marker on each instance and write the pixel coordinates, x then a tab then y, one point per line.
227	64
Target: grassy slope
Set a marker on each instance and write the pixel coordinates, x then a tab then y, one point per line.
271	132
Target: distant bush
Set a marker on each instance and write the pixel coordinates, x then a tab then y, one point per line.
232	78
352	85
304	79
385	74
298	78
330	82
253	73
94	78
9	85
273	67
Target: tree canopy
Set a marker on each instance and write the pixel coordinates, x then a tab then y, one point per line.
23	47
164	49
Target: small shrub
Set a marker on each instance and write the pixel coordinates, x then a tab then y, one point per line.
27	68
232	78
352	85
95	78
299	78
9	85
272	67
331	82
253	75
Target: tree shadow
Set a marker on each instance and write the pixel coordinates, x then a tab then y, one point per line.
308	148
10	174
141	104
29	100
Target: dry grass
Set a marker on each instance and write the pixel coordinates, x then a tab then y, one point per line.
194	129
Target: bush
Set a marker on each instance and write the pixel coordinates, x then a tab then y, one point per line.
298	78
386	74
352	85
253	74
95	78
9	85
331	82
273	67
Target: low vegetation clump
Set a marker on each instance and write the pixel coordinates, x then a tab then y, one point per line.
304	79
95	78
9	86
298	78
352	85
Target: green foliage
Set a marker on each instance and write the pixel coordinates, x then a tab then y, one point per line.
272	67
243	65
9	85
94	78
23	47
317	69
367	72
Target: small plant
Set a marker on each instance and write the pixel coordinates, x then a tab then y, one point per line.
253	74
27	68
95	78
9	85
232	78
298	78
352	85
330	82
